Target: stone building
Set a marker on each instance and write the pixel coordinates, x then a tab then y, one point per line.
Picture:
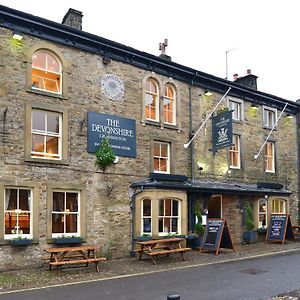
63	90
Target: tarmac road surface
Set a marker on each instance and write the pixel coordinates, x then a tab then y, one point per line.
260	278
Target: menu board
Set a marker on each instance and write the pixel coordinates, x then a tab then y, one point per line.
212	233
280	228
216	235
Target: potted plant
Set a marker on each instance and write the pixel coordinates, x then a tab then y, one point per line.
20	241
195	239
105	155
249	235
68	240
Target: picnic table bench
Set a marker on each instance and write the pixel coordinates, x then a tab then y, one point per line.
60	256
157	247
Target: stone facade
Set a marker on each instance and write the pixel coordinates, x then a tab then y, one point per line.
110	212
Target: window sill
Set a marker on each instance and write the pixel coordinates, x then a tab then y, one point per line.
47	161
160	124
44	93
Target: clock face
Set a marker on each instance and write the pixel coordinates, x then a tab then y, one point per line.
112	87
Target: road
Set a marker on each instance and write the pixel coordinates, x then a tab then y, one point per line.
255	279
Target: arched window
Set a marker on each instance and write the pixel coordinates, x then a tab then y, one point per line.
169	216
146	217
169	105
151	100
262	213
46	72
278	206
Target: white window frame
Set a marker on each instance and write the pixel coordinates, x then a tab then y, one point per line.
171	217
237	106
267	122
282	206
78	213
173	100
234	151
272	157
46	134
59	88
151	94
19	211
146	217
167	159
265	213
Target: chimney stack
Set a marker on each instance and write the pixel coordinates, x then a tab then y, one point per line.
73	18
249	80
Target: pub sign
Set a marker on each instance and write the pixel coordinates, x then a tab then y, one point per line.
222	131
121	133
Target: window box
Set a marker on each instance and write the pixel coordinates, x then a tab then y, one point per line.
68	240
144	238
20	242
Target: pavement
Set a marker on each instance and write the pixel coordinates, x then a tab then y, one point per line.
41	276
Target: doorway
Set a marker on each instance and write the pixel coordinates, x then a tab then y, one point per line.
215	207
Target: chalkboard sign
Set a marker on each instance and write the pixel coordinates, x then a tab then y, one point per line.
280	229
216	236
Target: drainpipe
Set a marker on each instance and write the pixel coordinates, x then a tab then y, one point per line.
191	131
132	208
192	151
298	156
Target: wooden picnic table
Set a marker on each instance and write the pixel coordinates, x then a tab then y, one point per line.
166	246
73	255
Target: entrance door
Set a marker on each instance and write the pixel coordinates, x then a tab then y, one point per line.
215	207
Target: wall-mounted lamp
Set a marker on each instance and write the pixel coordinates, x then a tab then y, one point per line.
17	36
207	93
266	196
253	106
288	116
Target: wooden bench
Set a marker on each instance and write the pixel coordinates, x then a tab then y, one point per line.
177	250
78	261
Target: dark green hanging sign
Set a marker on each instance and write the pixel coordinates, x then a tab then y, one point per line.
221	131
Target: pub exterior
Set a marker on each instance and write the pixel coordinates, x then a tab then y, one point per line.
63	90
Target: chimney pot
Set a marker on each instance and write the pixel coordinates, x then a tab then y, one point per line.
249	72
235	76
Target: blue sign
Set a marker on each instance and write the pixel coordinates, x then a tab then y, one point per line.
222	131
121	133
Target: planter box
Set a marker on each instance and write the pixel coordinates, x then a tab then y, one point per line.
250	237
143	238
71	240
18	243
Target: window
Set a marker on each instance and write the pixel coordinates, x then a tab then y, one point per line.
168	219
237	109
169	105
65	213
278	206
18	212
262	213
146	217
269	117
270	157
46	134
46	72
152	100
234	153
161	158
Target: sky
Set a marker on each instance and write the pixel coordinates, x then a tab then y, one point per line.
261	35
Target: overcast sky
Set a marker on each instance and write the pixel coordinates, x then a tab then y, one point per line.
263	33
